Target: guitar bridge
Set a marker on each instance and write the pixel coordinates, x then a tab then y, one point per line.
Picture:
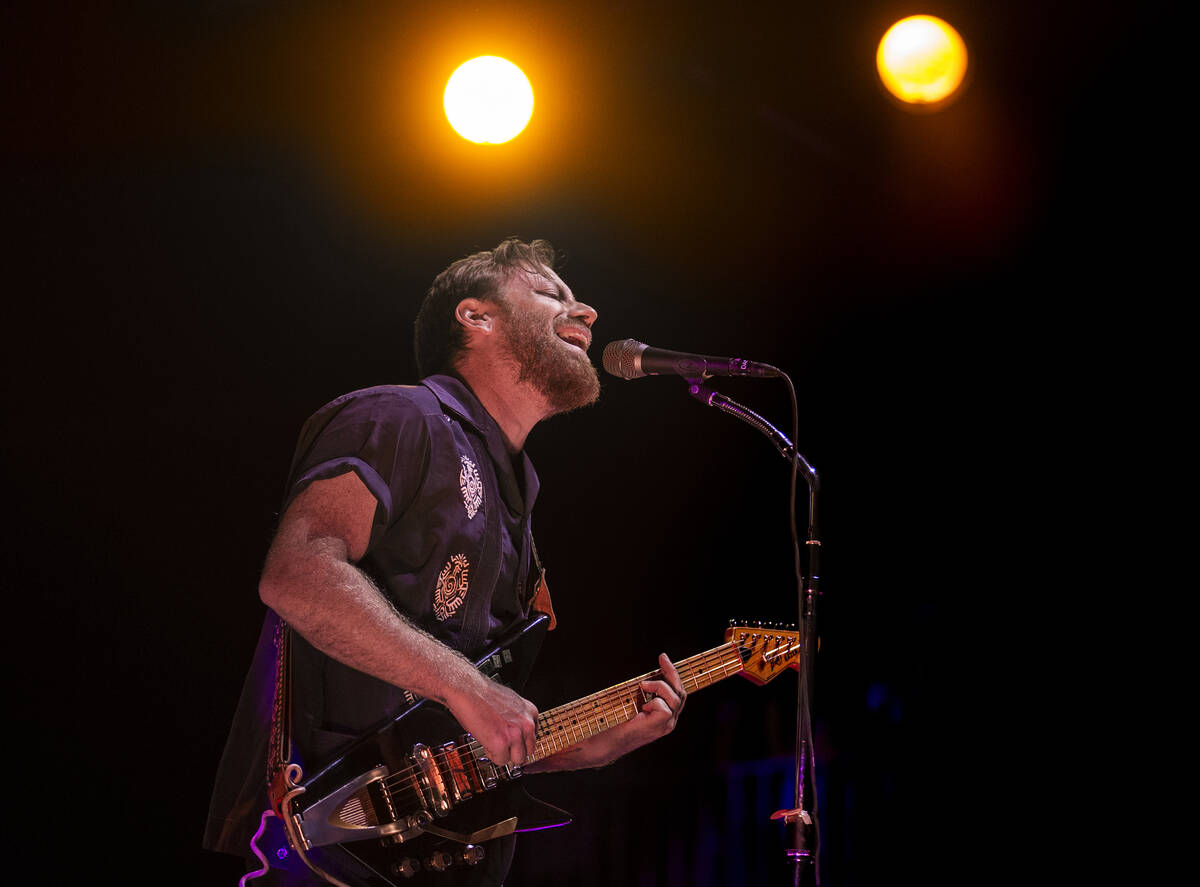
360	809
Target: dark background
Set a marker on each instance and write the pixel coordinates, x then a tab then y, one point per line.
224	214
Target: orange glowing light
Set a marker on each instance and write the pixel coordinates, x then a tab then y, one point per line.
921	60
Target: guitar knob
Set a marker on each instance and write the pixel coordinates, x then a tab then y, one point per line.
439	861
472	854
406	868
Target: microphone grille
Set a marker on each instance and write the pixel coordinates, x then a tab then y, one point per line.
621	358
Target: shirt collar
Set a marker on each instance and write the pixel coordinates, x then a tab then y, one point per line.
453	394
456	397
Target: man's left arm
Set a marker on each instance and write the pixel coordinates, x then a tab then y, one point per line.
656	719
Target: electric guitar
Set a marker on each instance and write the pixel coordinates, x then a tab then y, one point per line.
420	796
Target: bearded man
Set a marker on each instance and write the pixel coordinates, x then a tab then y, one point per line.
405	543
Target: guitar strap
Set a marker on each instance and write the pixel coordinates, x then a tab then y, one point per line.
541	591
279	750
282	774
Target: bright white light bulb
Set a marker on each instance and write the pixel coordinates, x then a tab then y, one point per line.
921	60
488	100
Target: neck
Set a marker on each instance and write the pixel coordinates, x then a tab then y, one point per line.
569	724
515	406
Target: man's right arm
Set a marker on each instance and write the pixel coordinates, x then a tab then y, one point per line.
311	581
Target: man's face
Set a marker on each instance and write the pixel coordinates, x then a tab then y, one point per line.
547	333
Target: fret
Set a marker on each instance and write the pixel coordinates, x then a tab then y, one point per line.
570	724
567	725
464	770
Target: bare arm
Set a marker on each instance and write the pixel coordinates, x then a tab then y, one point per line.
310	580
656	719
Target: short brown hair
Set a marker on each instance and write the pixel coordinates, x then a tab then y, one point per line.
438	338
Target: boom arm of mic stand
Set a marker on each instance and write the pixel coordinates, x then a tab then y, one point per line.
801	824
786	448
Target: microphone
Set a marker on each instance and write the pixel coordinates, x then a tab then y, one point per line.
631	359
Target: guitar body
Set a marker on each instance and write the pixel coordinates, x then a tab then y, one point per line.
363	816
418	803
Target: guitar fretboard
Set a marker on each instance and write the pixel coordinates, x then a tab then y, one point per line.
559	728
759	654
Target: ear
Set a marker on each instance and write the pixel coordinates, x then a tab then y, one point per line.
475	314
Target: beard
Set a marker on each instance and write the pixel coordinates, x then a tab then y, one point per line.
559	372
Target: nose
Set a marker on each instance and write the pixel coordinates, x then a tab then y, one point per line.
584	312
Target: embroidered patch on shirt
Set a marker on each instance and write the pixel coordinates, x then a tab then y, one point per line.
451	587
471	486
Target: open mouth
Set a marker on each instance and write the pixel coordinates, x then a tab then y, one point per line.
575	336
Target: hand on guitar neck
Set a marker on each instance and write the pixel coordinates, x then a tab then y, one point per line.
504	723
664	701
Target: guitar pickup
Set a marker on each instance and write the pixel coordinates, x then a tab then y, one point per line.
456	768
433	784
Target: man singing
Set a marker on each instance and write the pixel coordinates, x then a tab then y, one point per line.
405	543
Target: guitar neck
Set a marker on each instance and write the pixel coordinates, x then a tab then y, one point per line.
559	728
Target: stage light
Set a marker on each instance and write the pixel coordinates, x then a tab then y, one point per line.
921	60
488	100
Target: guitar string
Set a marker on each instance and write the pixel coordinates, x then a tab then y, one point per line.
695	673
693	666
612	706
780	651
607	708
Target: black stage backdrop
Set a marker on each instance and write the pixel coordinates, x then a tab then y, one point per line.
223	214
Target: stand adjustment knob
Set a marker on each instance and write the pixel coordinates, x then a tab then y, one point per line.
439	861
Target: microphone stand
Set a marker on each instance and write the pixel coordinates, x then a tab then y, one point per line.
802	830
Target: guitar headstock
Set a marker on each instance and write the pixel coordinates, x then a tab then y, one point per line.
766	648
